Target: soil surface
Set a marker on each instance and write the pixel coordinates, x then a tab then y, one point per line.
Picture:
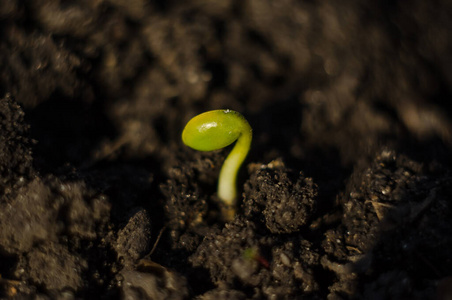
347	190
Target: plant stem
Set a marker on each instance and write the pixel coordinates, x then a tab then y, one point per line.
227	190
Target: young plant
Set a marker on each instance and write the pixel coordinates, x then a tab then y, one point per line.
253	254
217	129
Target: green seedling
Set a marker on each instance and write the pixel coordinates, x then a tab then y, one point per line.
217	129
253	254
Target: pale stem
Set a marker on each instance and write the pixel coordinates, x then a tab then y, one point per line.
227	190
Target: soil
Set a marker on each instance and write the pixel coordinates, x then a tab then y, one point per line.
346	193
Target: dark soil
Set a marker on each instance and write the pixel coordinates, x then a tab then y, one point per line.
347	191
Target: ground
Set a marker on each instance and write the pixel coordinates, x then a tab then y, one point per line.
345	194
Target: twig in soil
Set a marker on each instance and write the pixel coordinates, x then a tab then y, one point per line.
428	263
156	241
379	207
418	209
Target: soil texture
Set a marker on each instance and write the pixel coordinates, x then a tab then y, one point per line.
345	194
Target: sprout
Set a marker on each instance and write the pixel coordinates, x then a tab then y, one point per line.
217	129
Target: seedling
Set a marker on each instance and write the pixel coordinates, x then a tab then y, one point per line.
253	254
217	129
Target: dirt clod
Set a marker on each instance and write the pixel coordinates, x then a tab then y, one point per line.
134	240
285	202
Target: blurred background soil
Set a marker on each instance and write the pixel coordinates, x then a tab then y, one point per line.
346	192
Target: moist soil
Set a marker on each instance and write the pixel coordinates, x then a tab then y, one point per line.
345	194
